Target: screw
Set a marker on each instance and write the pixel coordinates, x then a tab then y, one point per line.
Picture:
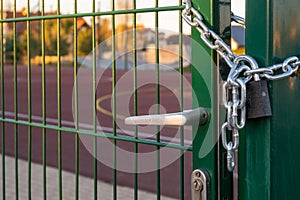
197	185
197	174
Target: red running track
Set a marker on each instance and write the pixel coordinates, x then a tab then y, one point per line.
146	99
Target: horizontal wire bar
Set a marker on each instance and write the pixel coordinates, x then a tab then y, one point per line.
99	134
116	12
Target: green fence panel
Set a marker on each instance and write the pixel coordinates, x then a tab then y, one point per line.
58	126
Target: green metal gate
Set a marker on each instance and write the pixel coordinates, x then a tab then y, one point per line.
21	133
267	160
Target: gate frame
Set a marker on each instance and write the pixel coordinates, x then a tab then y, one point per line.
206	80
268	144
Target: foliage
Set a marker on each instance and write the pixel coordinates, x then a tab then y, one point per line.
9	48
36	41
84	41
51	33
51	37
85	36
105	31
34	44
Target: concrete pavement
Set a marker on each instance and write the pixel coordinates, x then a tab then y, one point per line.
86	185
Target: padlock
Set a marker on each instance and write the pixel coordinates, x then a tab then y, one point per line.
257	100
257	94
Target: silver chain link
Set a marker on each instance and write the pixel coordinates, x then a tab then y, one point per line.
244	68
237	19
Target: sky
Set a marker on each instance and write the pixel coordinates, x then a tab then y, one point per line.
167	20
238	7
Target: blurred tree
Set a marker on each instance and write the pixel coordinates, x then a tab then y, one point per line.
9	48
85	37
51	37
35	40
34	43
105	31
66	38
84	41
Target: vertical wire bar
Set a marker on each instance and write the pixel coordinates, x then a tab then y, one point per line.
94	100
75	44
44	143
29	100
157	102
134	53
114	101
2	107
16	101
181	129
59	138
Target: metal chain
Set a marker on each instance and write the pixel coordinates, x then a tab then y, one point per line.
237	19
244	68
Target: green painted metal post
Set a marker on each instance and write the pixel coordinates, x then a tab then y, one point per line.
2	57
268	158
206	82
204	85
